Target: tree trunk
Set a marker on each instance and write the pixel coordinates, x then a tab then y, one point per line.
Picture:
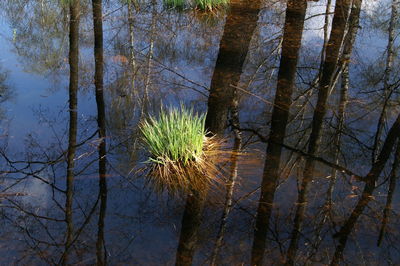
343	100
239	27
293	30
330	64
237	146
392	186
74	7
132	59
354	21
386	79
149	66
101	122
371	179
238	31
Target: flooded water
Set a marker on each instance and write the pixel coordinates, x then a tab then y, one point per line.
304	96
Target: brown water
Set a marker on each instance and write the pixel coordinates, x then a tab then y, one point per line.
308	95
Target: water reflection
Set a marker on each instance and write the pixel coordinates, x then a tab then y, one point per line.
306	90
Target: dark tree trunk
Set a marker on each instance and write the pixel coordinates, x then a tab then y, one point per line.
371	179
293	31
239	27
73	119
329	67
392	187
191	221
101	122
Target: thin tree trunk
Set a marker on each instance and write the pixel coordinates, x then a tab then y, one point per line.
343	100
386	79
145	101
326	33
348	47
392	186
331	59
73	120
293	30
239	27
370	179
232	179
101	122
132	61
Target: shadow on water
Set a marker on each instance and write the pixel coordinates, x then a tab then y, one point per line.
304	93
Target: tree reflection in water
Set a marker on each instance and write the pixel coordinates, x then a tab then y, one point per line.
320	97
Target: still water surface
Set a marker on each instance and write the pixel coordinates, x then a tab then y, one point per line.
308	92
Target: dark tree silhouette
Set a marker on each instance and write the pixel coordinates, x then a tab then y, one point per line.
241	21
328	70
73	119
101	122
293	30
370	184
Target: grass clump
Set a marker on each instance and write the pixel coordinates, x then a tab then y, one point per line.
178	4
210	4
204	5
177	135
181	157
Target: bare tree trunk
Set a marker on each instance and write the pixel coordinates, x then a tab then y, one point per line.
370	179
386	79
348	47
326	33
98	80
191	221
232	179
74	7
392	186
238	31
132	61
240	22
331	59
293	30
343	100
149	66
131	92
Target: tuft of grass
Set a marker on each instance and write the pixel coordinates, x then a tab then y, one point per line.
178	4
176	135
181	157
204	5
210	4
